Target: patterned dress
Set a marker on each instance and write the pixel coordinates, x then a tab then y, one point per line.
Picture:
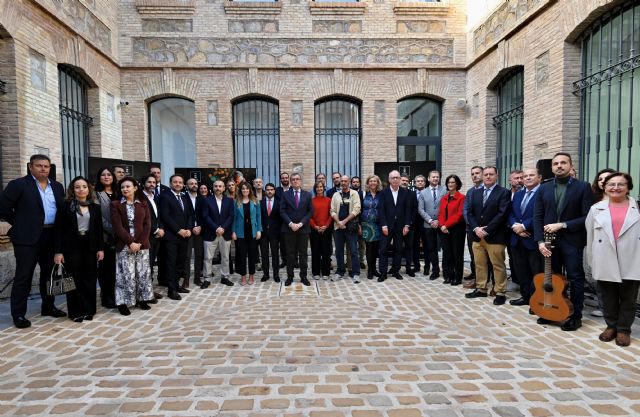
370	222
133	278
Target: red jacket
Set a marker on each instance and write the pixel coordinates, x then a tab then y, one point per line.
321	217
454	208
141	226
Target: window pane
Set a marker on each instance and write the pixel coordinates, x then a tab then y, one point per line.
508	123
173	135
418	117
337	137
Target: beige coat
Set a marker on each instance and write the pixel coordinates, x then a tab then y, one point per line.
610	260
354	204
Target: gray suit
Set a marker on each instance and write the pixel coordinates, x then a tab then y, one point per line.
428	209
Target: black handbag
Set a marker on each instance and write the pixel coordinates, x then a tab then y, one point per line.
60	282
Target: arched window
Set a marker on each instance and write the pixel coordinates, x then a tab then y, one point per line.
338	134
508	123
256	137
74	122
418	129
610	91
172	127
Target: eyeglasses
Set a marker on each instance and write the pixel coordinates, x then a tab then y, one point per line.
616	185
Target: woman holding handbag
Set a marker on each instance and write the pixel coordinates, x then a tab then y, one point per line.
131	226
247	229
79	245
106	193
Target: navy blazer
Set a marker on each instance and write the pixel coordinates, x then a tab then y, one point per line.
395	216
526	219
212	218
493	216
271	224
578	200
301	214
173	216
21	207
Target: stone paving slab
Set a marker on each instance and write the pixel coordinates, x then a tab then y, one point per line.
399	348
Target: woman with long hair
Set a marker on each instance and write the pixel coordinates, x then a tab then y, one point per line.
370	223
203	190
452	226
79	245
106	191
231	189
131	227
613	245
247	229
321	233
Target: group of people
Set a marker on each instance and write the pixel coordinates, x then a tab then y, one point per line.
117	231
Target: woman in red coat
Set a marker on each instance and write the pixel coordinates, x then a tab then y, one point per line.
452	226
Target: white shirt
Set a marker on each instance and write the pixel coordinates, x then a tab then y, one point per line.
219	203
155	208
395	195
193	203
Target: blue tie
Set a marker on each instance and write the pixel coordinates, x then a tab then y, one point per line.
525	200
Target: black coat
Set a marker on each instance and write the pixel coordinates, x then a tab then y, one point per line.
395	215
212	218
271	225
156	221
21	207
67	238
173	216
301	214
493	216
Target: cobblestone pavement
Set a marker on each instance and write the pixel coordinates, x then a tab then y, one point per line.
395	349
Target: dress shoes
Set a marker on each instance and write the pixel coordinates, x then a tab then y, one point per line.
499	300
174	295
382	278
21	322
411	273
264	278
124	310
276	279
543	321
397	276
608	335
205	284
362	265
54	312
456	281
88	317
469	284
197	281
153	301
226	282
183	290
288	282
623	339
571	325
78	319
157	295
433	276
475	294
144	306
519	302
376	274
282	264
305	281
447	281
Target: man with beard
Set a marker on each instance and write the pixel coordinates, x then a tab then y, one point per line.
195	243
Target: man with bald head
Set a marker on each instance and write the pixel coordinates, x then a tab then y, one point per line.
395	220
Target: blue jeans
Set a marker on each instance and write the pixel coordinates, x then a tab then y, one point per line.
340	235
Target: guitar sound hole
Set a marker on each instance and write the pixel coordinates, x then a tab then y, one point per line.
548	287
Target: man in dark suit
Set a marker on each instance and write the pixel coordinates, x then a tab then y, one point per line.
296	211
217	218
561	208
195	243
178	218
476	179
395	220
285	185
408	239
31	205
419	235
271	226
157	230
527	260
160	189
487	216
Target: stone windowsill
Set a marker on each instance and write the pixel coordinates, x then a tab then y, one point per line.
336	8
174	7
420	8
252	8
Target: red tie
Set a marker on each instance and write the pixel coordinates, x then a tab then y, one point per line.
268	207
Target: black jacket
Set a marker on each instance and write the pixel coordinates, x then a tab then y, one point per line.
395	215
173	216
271	225
67	238
493	215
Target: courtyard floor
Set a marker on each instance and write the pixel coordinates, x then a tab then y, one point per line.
395	349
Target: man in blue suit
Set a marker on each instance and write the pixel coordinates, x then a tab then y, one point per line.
271	226
296	211
30	205
561	207
395	220
526	257
217	218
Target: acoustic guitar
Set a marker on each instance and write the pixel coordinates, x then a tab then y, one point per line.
550	300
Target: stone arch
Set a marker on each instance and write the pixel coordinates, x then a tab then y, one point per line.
167	84
256	83
579	15
421	83
338	84
496	79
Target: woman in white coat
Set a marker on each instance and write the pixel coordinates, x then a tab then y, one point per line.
613	248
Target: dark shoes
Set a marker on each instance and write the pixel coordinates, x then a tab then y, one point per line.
382	278
608	335
410	272
475	294
183	290
305	281
54	312
397	276
434	276
124	310
362	265
78	319
469	284
543	321
21	322
623	339
226	282
265	278
174	295
571	325
157	295
88	317
205	284
455	282
288	282
446	281
144	306
197	281
276	279
519	302
499	300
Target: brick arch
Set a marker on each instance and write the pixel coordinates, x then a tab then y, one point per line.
496	79
338	84
167	84
421	83
254	83
579	15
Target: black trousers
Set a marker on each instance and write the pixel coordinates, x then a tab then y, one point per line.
321	252
407	250
296	244
470	247
527	263
512	267
246	247
270	244
418	237
196	245
395	236
27	256
453	252
619	303
107	276
431	251
162	264
373	250
154	248
82	263
175	251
